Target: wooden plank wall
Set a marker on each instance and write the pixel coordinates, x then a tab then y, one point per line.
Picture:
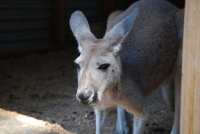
24	24
190	99
57	23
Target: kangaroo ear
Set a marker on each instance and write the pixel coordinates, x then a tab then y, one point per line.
111	19
122	28
80	27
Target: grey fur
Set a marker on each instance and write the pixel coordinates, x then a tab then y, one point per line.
146	56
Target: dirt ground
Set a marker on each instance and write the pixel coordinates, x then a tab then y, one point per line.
15	123
43	86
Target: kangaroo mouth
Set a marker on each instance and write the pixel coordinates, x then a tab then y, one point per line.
92	101
95	98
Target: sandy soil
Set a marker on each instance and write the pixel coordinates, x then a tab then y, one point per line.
43	86
15	123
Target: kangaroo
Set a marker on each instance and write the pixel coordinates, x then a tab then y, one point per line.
136	56
167	89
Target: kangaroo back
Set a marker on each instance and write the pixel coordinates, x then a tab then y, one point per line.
179	23
150	50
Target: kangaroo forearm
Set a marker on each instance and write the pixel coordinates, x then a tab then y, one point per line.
131	106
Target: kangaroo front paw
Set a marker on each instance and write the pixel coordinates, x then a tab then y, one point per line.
174	131
121	131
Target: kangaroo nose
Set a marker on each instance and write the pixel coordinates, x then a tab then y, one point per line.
84	97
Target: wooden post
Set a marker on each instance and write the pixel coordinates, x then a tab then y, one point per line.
190	99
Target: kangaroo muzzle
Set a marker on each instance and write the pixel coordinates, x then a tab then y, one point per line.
87	97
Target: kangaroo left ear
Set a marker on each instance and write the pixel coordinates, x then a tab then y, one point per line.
120	30
80	28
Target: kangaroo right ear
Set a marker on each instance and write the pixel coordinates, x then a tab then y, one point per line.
122	28
80	27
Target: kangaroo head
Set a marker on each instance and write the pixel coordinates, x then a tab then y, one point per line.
99	67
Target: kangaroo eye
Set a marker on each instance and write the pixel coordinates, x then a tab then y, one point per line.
104	66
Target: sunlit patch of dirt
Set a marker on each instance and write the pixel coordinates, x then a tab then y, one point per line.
15	123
